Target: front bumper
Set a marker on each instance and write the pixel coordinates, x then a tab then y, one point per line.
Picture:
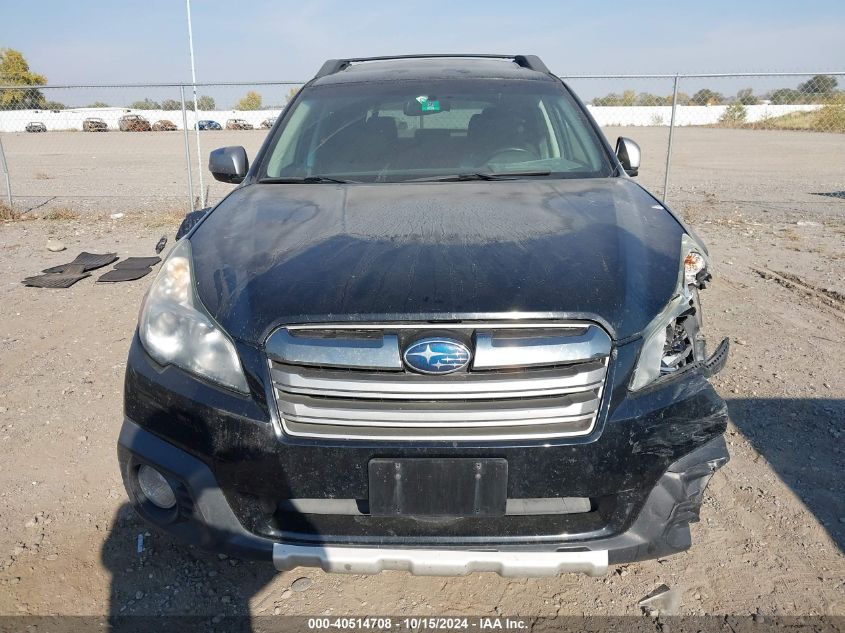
204	517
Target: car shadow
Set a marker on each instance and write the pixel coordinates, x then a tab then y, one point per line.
154	575
801	438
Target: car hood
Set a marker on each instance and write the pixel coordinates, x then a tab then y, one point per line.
597	249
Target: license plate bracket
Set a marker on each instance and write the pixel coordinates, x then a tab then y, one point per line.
434	487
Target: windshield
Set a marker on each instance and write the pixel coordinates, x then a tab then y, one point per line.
411	130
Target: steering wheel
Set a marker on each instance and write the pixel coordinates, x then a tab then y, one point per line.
506	150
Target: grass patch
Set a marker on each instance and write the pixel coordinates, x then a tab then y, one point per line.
828	118
61	213
7	213
165	218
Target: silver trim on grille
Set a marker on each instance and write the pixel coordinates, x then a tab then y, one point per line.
398	386
347	382
365	353
494	349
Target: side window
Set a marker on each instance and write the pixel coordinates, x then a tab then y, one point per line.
285	152
571	137
548	142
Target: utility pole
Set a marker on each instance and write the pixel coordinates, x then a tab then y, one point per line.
196	109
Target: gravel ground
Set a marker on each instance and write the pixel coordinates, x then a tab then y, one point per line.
772	534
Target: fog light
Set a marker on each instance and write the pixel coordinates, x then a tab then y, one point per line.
156	488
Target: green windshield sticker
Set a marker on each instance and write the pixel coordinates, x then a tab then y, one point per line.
427	105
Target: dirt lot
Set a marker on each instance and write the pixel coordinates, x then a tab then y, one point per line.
772	533
120	171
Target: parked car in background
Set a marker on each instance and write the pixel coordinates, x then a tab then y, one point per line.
238	124
164	126
94	124
208	125
268	123
133	123
35	126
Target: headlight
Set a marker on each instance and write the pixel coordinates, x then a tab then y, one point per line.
672	339
175	328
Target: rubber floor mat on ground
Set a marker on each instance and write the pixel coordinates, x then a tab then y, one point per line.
88	261
137	262
130	269
70	275
125	274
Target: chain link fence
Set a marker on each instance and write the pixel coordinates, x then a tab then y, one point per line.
773	142
127	148
767	140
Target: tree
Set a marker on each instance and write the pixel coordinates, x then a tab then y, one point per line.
629	97
734	115
14	71
146	104
784	96
252	101
746	97
291	94
611	99
99	104
53	105
705	96
171	104
204	102
820	84
648	99
683	99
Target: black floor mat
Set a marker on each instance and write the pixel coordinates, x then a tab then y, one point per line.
137	262
88	261
125	274
66	279
130	269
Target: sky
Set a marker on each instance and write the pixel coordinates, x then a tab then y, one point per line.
109	41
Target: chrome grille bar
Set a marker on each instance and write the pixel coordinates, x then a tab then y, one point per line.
494	350
348	382
400	386
506	413
364	353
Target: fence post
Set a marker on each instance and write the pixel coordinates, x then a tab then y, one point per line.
187	150
199	151
5	166
671	134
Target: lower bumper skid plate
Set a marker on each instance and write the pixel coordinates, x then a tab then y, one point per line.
438	562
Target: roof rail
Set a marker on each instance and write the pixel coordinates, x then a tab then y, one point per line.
532	62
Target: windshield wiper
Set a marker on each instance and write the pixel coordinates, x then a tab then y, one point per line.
303	179
481	175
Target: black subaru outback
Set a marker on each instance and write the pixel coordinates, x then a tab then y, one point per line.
436	328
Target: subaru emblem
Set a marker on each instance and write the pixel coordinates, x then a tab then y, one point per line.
436	356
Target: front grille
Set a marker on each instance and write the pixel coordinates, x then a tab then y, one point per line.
538	381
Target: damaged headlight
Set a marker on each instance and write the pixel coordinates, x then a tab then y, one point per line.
175	328
673	339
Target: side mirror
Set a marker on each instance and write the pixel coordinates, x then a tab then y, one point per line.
628	154
228	164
